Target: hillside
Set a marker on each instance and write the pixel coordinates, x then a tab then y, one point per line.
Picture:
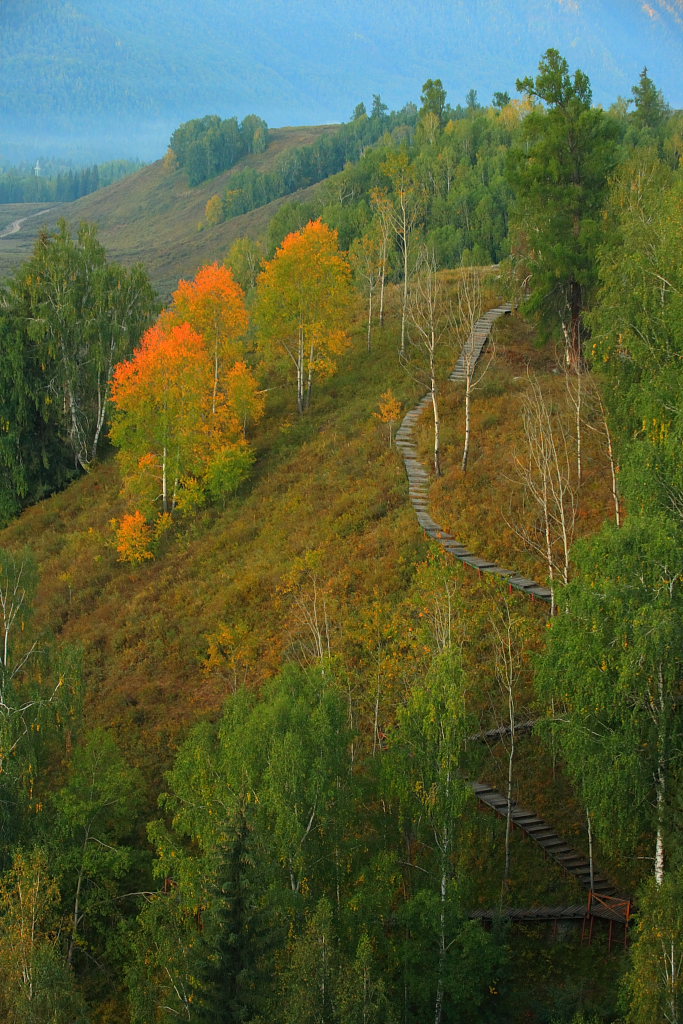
348	689
153	216
327	484
326	513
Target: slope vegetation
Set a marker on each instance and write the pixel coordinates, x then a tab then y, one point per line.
154	216
321	549
327	508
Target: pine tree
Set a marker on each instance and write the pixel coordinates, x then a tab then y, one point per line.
560	175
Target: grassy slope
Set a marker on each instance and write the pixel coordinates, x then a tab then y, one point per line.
153	216
327	483
144	628
10	212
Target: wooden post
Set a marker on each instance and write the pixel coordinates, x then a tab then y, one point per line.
587	916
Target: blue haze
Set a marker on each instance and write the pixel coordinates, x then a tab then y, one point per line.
109	78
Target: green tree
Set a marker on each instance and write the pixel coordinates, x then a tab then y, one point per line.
613	663
310	978
636	325
93	813
433	99
288	219
78	316
471	101
40	687
379	109
650	107
429	758
204	915
560	173
259	811
244	260
36	985
361	991
33	460
653	985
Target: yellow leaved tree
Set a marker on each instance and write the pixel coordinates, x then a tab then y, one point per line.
303	300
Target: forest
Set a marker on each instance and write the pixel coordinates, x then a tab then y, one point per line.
54	182
250	702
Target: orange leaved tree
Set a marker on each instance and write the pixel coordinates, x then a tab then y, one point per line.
159	397
213	304
179	429
303	300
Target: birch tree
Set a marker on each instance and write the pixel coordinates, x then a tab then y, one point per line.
469	310
84	315
383	216
430	323
93	814
405	211
613	661
159	396
258	812
367	263
549	486
654	982
507	668
213	304
303	299
175	422
36	984
39	684
429	757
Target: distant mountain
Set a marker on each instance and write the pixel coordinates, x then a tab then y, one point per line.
105	78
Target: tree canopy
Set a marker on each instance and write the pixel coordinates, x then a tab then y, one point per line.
68	316
302	306
560	175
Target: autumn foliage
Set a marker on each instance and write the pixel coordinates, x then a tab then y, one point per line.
389	411
303	302
213	304
182	404
133	538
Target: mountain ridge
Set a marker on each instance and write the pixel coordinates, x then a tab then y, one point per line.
116	78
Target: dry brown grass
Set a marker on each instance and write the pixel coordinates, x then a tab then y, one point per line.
483	506
329	484
153	216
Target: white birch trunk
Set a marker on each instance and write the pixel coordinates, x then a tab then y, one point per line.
437	431
468	407
164	482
